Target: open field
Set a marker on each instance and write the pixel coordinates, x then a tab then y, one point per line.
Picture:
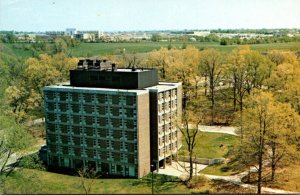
208	145
29	181
93	49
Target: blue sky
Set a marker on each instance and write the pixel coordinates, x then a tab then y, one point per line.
123	15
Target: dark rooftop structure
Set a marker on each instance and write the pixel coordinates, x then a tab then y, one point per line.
104	74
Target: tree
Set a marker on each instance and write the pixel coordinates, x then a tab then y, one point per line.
155	37
27	95
87	179
60	45
285	80
160	59
211	64
189	128
281	139
12	138
267	130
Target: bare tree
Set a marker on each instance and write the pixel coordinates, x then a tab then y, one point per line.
189	128
87	179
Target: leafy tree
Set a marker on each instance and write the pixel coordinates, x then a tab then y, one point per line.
267	128
27	95
211	66
285	80
12	139
60	45
155	37
160	59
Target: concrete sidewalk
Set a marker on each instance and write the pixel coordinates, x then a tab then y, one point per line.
179	169
218	129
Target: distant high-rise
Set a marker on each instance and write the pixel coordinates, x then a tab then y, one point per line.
116	121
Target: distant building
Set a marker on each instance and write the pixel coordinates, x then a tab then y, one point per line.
201	33
116	121
71	32
55	33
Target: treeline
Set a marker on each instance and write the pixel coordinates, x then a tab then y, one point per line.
257	31
261	40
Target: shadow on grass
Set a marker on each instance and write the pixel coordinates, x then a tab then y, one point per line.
160	182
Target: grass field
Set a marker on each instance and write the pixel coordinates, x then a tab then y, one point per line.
91	49
208	145
218	169
94	49
29	181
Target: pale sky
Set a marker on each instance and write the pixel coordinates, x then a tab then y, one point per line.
125	15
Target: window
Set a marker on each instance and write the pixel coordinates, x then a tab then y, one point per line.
75	108
63	107
50	95
50	106
75	97
63	96
51	117
88	109
115	99
101	98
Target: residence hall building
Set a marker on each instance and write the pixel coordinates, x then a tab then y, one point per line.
117	121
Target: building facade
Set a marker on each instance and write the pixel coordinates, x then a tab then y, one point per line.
119	130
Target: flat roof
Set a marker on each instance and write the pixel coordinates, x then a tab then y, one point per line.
67	87
162	86
115	70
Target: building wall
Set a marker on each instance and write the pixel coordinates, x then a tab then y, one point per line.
96	129
165	108
143	121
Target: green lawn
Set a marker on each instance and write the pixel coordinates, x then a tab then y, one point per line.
218	169
94	49
20	52
28	181
208	145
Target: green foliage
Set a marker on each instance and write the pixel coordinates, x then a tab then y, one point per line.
14	135
31	162
155	37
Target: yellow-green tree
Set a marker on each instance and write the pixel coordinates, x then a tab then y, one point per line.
211	65
285	80
269	131
45	70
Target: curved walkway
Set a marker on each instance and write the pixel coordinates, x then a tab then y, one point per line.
179	169
218	129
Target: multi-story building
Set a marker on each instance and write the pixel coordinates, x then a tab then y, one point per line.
116	121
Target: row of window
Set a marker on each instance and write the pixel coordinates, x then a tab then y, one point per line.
114	142
115	168
167	138
166	150
95	154
167	94
89	97
90	109
91	120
